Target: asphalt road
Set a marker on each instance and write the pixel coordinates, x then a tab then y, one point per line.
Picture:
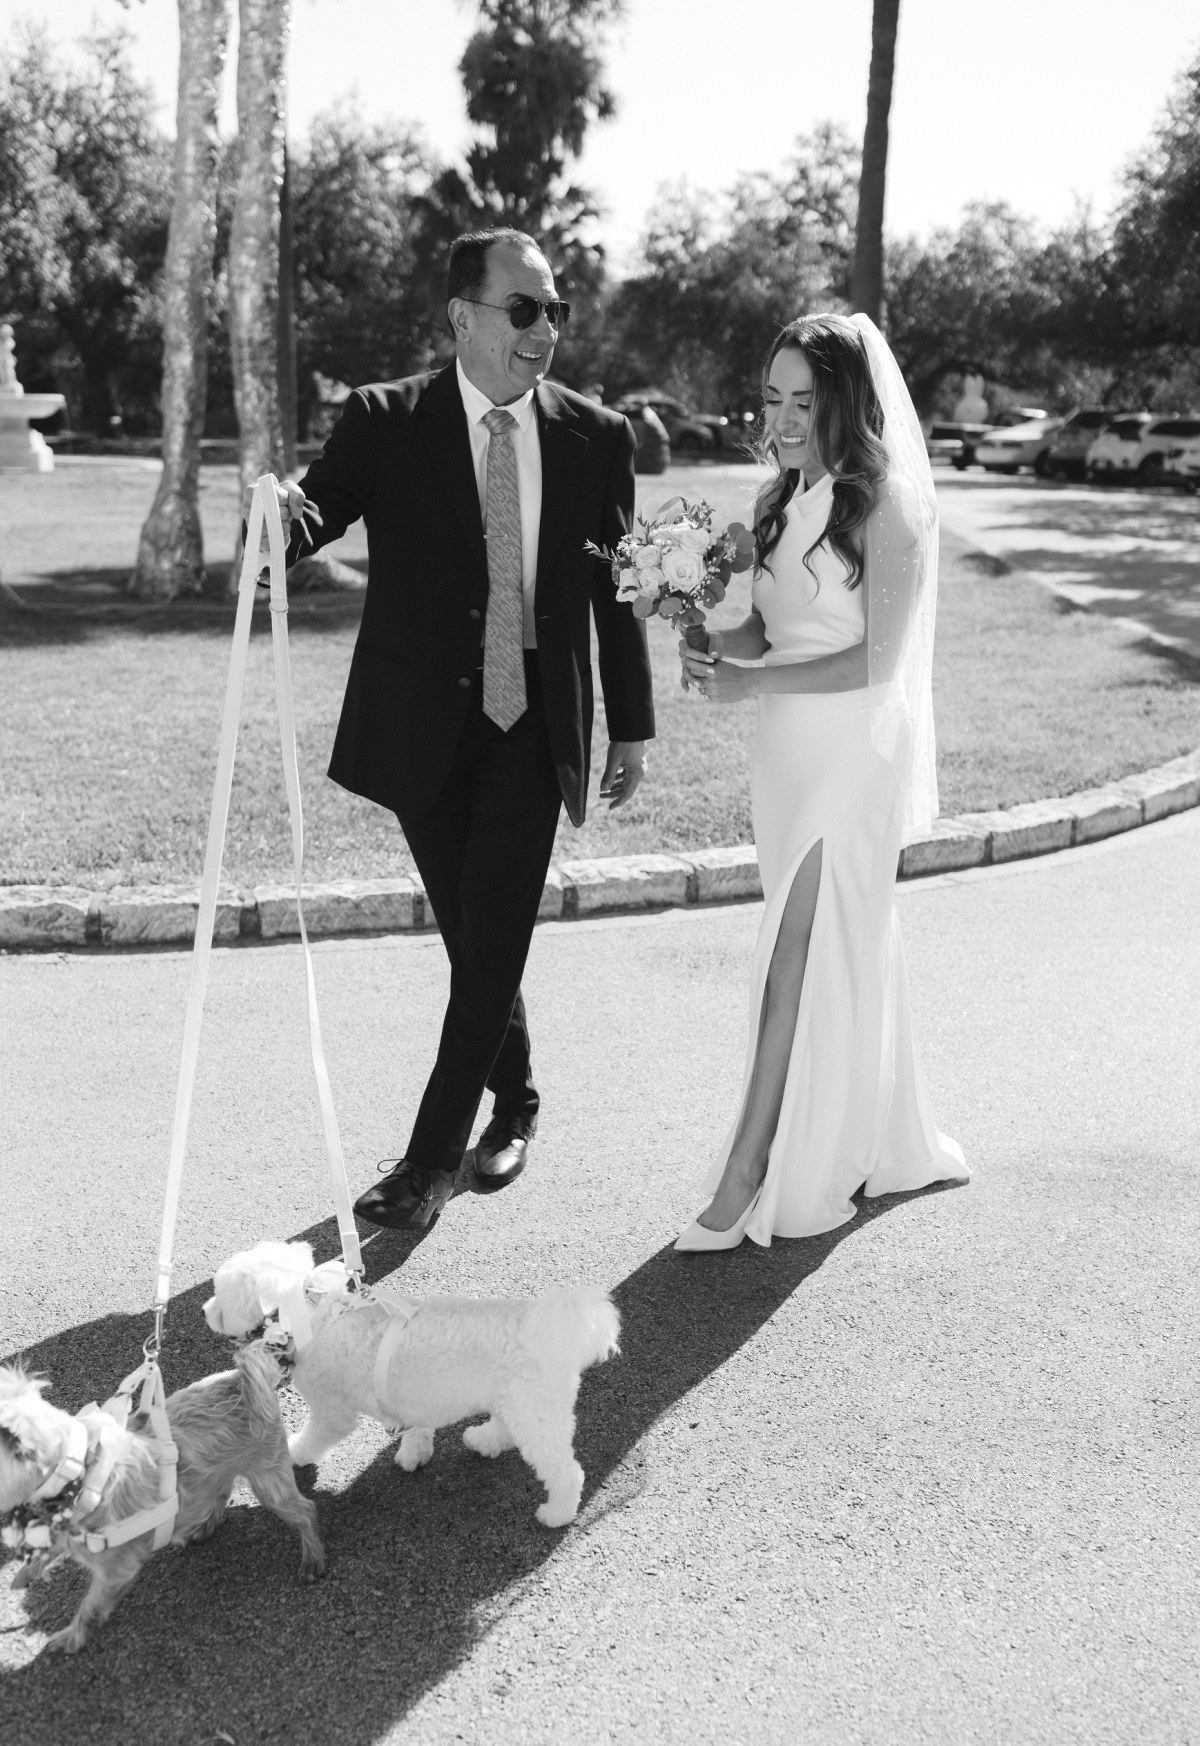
1122	552
930	1478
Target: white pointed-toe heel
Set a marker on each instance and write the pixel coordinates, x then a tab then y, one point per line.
698	1237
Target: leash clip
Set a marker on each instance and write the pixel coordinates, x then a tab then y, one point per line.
152	1344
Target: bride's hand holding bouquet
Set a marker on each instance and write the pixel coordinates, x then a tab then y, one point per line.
674	565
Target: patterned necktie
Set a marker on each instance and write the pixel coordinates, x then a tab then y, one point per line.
504	699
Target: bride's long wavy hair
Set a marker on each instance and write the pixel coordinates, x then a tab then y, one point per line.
845	426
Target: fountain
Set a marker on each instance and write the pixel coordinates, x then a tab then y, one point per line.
21	449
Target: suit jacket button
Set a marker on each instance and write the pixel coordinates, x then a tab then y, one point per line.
474	612
465	683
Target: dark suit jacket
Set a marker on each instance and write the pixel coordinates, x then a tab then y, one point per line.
400	457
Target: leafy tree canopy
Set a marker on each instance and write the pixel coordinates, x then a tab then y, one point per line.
1156	246
533	75
84	208
361	310
719	278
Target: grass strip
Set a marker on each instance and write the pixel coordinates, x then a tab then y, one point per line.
108	727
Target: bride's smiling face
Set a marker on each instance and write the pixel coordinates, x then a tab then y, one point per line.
788	413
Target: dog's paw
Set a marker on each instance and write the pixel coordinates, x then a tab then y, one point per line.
312	1569
488	1439
416	1448
68	1642
206	1529
552	1515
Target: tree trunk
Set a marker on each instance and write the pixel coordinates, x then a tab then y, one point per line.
867	284
254	241
287	321
170	556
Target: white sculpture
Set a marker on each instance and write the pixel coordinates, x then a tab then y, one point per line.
22	450
971	407
8	368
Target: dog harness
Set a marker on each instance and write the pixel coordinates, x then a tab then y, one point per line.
292	1301
73	1488
292	1330
400	1312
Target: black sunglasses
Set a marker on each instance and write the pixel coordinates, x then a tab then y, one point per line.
523	311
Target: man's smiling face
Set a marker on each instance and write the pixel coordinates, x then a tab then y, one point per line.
503	361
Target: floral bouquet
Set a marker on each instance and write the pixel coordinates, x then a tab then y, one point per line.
675	565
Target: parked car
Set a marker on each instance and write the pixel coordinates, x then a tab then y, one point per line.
955	442
1108	454
690	432
1136	448
1181	465
653	443
959	443
1020	445
1067	455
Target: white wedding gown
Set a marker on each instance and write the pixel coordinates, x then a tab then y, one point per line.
855	1109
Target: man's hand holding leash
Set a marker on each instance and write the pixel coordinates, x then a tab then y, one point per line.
293	506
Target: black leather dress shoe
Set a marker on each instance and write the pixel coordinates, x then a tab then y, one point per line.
408	1198
501	1152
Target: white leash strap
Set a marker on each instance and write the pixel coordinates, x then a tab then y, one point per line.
264	509
202	947
265	492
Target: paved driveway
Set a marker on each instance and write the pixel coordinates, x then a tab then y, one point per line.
930	1478
1125	553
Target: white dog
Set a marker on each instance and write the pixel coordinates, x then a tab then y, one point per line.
417	1364
223	1427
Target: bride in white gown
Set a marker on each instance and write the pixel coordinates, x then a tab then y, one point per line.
838	651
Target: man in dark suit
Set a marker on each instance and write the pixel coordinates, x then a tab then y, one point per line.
468	710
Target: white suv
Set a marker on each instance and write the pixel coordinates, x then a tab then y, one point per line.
1181	464
1136	447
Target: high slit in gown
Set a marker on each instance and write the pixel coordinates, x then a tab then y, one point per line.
855	1108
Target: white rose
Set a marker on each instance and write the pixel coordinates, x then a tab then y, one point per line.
683	569
650	581
645	556
694	539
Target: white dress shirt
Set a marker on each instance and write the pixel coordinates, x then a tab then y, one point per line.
528	450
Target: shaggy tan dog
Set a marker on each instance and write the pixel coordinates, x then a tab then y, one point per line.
416	1364
224	1426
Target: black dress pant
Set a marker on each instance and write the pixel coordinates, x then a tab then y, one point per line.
482	850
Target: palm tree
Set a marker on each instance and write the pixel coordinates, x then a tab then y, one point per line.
255	237
867	282
171	550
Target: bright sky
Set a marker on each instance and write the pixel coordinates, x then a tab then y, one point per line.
1037	102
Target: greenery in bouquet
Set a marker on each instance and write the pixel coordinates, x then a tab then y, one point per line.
675	565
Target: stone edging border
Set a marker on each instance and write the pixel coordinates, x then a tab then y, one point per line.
57	918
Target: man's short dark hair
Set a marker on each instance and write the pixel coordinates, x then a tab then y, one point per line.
467	273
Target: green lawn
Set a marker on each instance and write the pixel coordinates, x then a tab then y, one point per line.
109	720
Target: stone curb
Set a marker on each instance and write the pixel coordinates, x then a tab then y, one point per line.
55	917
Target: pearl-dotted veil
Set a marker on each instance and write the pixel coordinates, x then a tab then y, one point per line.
900	549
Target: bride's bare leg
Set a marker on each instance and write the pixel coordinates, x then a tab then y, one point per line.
747	1163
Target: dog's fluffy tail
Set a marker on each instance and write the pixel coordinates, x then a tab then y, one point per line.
575	1328
261	1376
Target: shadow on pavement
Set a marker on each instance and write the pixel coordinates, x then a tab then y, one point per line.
1140	545
221	1640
